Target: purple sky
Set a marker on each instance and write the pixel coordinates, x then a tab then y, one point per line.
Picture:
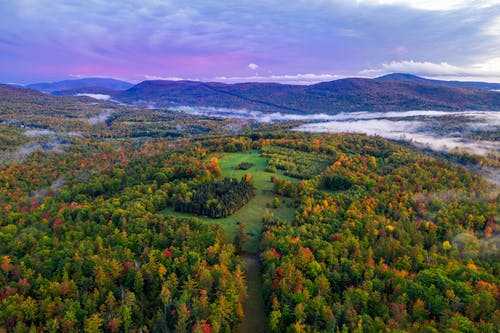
297	41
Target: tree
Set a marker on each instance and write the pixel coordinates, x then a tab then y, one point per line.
241	236
276	202
93	324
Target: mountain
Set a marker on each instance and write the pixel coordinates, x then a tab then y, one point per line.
395	92
10	94
344	95
80	83
87	90
211	94
15	85
462	84
22	102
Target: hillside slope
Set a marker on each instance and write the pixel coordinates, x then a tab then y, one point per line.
353	94
79	83
462	84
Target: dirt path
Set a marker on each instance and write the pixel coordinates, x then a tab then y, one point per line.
255	320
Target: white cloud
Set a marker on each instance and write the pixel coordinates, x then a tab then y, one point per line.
410	66
489	69
304	79
401	49
433	4
493	28
344	32
93	76
167	78
253	66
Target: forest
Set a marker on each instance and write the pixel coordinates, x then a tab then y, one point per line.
355	233
217	199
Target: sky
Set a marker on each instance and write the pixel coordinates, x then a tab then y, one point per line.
288	41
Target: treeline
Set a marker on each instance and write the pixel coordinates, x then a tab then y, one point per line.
217	199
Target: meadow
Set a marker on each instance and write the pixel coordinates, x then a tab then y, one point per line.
250	214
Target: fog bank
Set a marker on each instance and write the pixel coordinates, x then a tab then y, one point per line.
437	130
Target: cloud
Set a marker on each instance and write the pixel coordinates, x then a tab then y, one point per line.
432	4
205	39
303	79
85	76
166	78
346	32
415	67
401	49
493	27
253	66
489	69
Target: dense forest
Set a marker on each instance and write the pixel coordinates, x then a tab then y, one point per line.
360	234
217	199
384	238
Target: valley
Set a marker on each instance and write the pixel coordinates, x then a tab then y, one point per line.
280	166
345	231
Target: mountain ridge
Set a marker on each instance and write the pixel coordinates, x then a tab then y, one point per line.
454	83
80	83
393	92
343	95
86	90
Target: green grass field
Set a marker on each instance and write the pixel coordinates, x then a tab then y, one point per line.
250	214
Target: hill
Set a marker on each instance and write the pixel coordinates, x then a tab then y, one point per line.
79	83
86	90
462	84
352	94
212	94
10	95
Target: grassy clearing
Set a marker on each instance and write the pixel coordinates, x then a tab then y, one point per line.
250	214
255	320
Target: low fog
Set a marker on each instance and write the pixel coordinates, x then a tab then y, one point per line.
252	114
46	132
39	132
100	118
437	130
100	97
428	129
53	145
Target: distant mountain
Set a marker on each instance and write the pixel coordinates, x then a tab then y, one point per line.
354	94
80	83
396	92
212	94
462	84
15	85
87	90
